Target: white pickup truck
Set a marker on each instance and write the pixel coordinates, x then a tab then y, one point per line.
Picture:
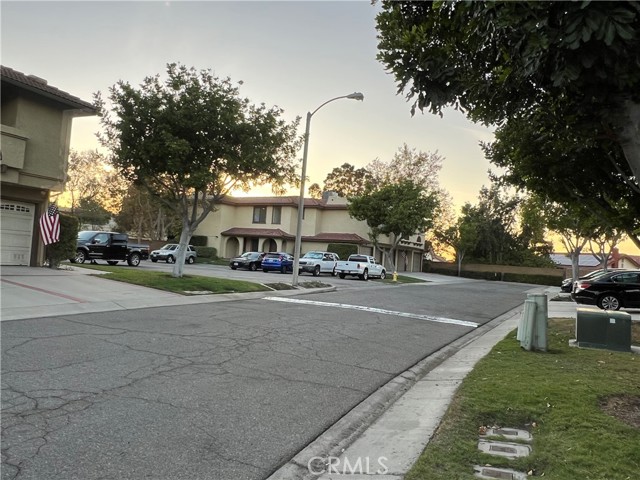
361	266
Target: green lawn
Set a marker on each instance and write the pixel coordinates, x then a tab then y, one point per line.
557	397
187	285
402	279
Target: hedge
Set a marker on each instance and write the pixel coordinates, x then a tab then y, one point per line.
497	276
206	252
199	240
65	247
343	249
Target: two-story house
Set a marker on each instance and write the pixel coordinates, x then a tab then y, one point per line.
268	224
36	132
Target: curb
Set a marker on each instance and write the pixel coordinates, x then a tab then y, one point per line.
338	437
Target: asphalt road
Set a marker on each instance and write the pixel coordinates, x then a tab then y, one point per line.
214	391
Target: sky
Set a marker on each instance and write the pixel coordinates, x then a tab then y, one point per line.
293	54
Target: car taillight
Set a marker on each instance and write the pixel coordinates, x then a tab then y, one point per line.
583	285
280	258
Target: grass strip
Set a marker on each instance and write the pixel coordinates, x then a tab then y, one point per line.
401	279
187	285
557	397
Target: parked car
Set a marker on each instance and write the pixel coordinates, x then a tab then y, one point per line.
610	291
169	253
109	246
318	262
361	266
248	260
568	284
280	261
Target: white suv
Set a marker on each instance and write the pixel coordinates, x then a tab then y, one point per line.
318	262
170	251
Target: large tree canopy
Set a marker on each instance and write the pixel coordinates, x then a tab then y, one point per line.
542	153
497	60
398	210
191	139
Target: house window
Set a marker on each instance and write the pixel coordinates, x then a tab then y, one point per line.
276	214
259	214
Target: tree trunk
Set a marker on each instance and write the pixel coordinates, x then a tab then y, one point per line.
459	257
628	123
181	254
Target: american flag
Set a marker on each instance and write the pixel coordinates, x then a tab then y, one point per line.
50	225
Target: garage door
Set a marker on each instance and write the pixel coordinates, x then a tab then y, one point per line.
16	219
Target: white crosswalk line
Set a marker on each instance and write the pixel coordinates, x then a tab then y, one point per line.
430	318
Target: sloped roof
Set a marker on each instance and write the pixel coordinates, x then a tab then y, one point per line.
585	260
40	86
633	258
291	201
256	232
336	237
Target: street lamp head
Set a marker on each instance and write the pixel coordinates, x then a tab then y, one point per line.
356	96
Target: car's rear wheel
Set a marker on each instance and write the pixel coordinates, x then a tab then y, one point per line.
283	269
365	275
609	301
81	256
170	259
191	260
134	260
233	268
316	271
253	267
341	275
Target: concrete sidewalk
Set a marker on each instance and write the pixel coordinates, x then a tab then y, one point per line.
31	292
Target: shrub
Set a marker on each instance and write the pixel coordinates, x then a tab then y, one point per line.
199	240
65	247
342	249
206	252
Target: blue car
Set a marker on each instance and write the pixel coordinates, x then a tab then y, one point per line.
280	261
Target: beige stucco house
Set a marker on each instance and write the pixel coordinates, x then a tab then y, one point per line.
36	131
268	224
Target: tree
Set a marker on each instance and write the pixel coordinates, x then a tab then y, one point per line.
575	226
191	139
91	212
496	60
91	178
146	215
398	210
461	237
602	242
542	153
347	181
315	191
422	168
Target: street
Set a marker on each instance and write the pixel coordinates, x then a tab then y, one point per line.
215	391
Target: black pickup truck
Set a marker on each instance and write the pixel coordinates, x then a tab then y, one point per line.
110	246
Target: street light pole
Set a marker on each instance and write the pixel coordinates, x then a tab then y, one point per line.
303	176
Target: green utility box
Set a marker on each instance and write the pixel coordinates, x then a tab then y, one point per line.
603	329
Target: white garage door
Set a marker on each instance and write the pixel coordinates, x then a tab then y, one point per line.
16	223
